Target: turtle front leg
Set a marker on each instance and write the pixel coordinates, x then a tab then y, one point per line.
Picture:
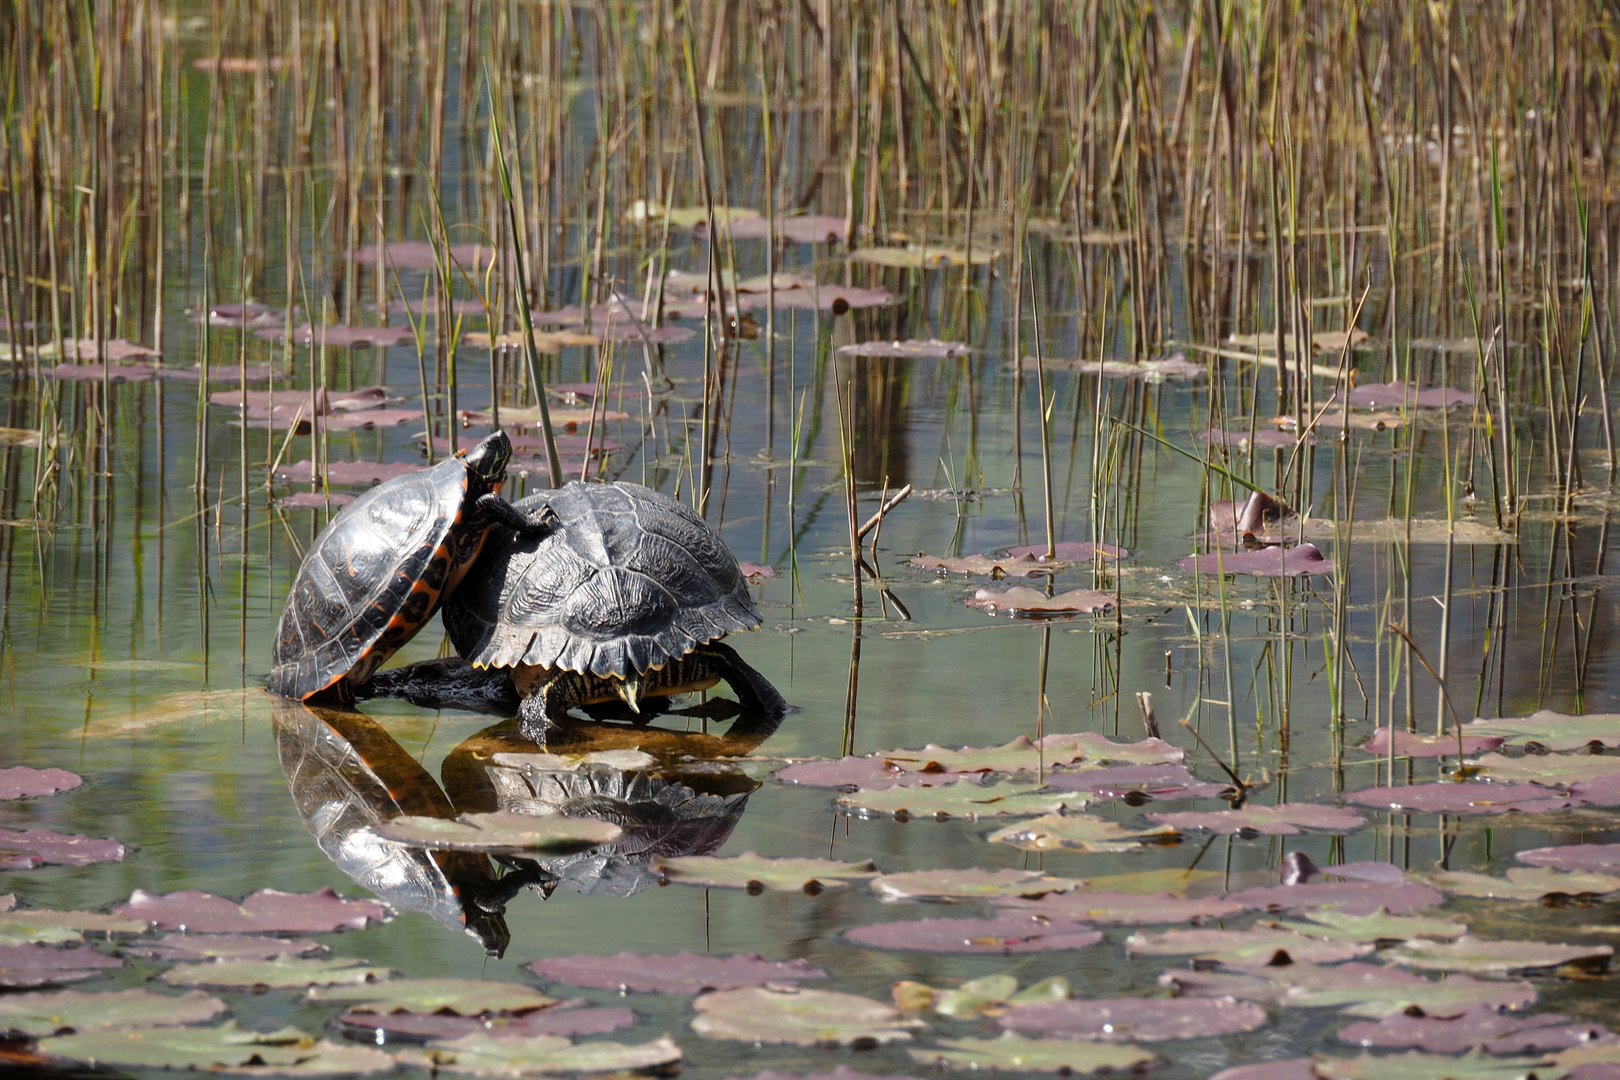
496	509
545	707
754	692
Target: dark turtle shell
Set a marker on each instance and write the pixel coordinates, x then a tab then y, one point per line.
628	581
380	569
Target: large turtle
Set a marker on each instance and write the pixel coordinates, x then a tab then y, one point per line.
623	599
382	567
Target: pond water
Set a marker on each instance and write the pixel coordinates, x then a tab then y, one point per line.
140	607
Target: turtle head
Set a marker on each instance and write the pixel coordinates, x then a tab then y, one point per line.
487	461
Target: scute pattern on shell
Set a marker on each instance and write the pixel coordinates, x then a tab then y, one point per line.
631	580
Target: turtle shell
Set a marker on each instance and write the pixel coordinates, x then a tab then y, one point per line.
629	580
375	574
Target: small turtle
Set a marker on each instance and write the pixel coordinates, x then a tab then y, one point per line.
622	600
382	567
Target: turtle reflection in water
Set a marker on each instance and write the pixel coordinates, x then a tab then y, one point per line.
347	774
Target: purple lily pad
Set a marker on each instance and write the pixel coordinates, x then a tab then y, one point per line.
1350	897
559	1020
42	847
1259	946
1122	909
351	472
1381	395
115	350
1274	561
1284	820
267	911
1021	601
683	973
421	255
1261	438
25	783
112	372
755	572
314	500
1574	857
1122	781
872	773
1408	744
179	946
1480	1025
1598	791
45	965
834	298
1464	798
1290	1069
1370	990
1004	934
1068	551
337	336
808	229
371	419
843	1072
1124	1019
1296	867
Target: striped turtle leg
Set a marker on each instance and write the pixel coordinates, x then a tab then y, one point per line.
493	508
754	692
545	707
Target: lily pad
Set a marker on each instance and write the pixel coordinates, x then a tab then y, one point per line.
987	996
873	773
1472	954
921	257
1524	883
1023	755
40	1014
1350	897
1021	600
1125	781
1079	832
1287	1069
337	336
1551	730
969	883
931	349
1574	857
559	1020
524	1056
1479	1025
1259	946
999	567
42	847
1462	798
464	997
1004	934
1396	394
1549	769
43	965
1017	1053
1147	1019
281	972
1416	1065
1408	744
964	799
501	830
756	873
23	782
1123	909
1377	927
178	946
1277	561
350	472
1077	551
1356	989
268	911
288	1052
682	973
1283	820
801	1017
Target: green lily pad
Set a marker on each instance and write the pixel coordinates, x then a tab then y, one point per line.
964	799
1472	954
288	1052
1021	1054
492	1055
756	873
1079	832
282	972
802	1017
1524	883
1378	926
1549	768
45	1013
55	926
1259	946
1555	731
969	884
464	997
500	830
1284	820
1356	989
921	257
987	996
1024	755
1416	1065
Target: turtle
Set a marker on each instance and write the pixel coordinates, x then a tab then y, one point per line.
623	599
382	566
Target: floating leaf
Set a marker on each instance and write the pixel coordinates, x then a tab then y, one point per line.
931	349
825	296
464	997
1017	1053
288	1052
1416	1065
1429	746
643	211
872	773
44	965
1524	883
1123	781
1022	755
1079	832
1462	798
1376	927
1282	820
523	1056
335	336
1574	856
111	372
964	799
1258	946
40	924
1551	730
1371	990
1397	395
500	830
1005	934
351	472
988	996
969	884
754	571
1288	1069
1275	561
1003	566
1479	1025
1472	954
1350	897
806	229
25	783
1147	1019
279	972
40	1014
1171	367
179	946
1549	769
756	873
268	911
42	847
1069	551
682	973
1123	909
802	1017
1021	600
85	351
921	257
558	1020
421	255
